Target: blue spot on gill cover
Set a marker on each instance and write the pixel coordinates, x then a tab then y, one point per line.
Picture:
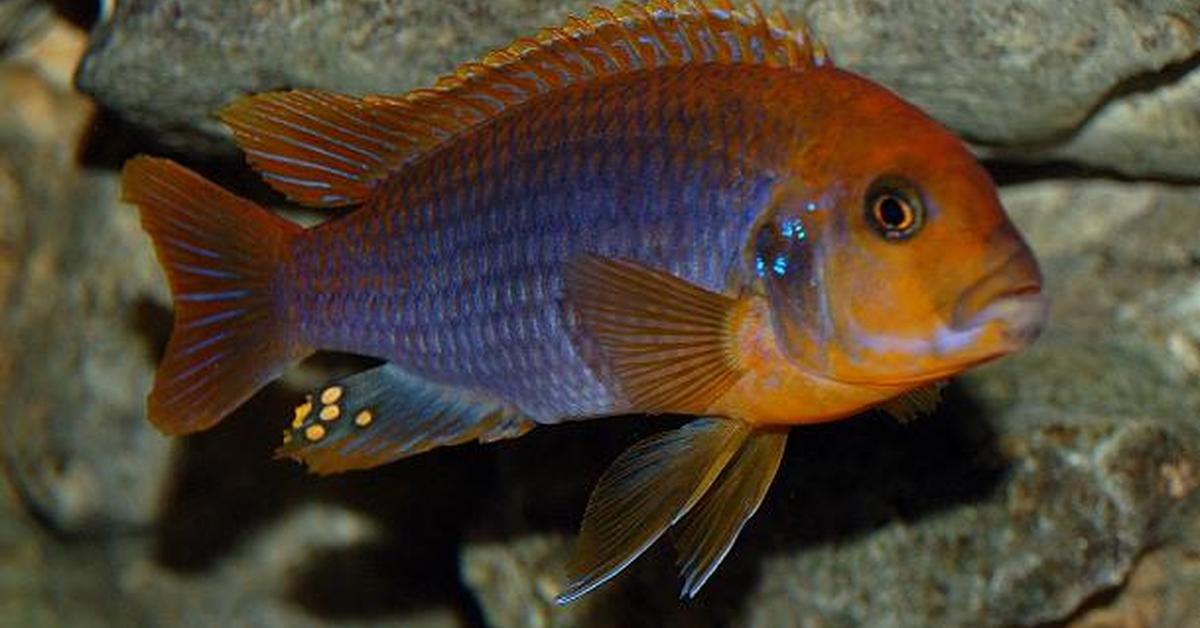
780	265
793	229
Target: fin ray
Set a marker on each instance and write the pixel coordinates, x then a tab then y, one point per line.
646	490
669	342
222	255
383	414
361	140
914	403
315	147
706	534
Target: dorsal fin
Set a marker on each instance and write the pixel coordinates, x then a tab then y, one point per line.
324	149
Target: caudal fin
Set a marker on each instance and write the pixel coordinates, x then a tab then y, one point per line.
222	255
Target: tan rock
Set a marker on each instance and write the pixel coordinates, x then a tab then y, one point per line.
74	364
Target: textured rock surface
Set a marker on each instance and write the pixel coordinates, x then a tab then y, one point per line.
74	364
169	66
257	586
1161	591
1155	133
1009	72
21	20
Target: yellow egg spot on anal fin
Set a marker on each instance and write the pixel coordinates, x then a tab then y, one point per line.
331	395
330	413
302	412
314	432
384	415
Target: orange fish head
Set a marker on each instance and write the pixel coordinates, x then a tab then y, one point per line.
890	261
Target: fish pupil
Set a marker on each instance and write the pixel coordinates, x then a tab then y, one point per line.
892	212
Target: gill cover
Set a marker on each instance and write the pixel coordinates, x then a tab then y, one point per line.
785	256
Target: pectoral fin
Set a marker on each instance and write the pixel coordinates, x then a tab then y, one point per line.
670	343
383	414
914	403
705	535
645	491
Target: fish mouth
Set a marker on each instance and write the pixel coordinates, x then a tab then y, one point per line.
1010	295
1019	312
1011	322
1001	314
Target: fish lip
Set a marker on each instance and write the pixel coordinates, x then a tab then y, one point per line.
1021	312
1014	280
930	376
1028	289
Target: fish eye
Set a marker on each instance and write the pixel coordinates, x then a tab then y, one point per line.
894	209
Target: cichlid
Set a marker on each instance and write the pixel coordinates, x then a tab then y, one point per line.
675	207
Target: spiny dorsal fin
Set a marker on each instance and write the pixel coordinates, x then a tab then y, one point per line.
327	150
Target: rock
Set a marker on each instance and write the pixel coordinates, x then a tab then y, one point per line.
39	572
1020	75
1012	71
121	581
1129	266
21	20
1151	132
159	65
515	584
256	585
74	363
1160	591
1082	500
1155	134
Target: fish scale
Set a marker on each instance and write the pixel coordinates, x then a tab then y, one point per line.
545	202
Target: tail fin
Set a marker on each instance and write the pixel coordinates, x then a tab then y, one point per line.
222	255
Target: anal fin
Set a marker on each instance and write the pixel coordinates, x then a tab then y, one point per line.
384	414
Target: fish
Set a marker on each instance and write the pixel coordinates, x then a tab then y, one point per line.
667	207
